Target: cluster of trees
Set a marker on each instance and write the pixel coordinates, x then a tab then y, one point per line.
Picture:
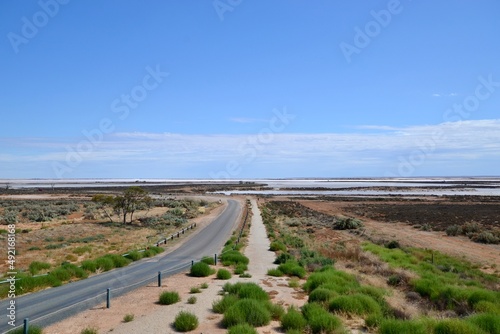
133	199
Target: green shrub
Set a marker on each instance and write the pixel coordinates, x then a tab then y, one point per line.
118	260
61	274
128	318
89	265
329	276
402	326
292	268
485	237
490	323
373	321
233	257
201	269
359	304
347	224
222	305
456	326
283	257
248	311
275	272
104	263
32	330
82	250
89	330
194	289
277	311
277	246
487	307
208	260
185	322
247	290
204	286
245	275
293	319
319	319
35	267
223	274
471	227
242	329
169	297
393	244
453	230
192	300
240	268
321	295
134	255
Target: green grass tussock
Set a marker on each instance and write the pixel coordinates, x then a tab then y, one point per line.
223	274
358	304
319	320
242	329
169	298
293	319
201	269
185	321
248	311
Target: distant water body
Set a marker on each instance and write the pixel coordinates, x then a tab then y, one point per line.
480	186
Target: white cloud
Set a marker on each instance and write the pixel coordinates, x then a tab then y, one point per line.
451	142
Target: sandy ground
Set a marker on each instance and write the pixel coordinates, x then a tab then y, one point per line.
150	317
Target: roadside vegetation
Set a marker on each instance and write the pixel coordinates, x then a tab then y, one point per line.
59	248
449	294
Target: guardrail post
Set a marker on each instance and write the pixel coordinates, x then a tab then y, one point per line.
159	278
26	325
215	258
192	263
108	298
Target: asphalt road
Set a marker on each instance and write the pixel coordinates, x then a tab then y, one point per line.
52	305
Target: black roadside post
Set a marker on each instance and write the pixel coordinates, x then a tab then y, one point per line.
26	326
215	258
108	298
159	278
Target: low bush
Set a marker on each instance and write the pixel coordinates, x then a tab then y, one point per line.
134	255
277	246
223	274
240	268
275	272
128	318
456	326
89	265
403	326
208	260
485	237
293	319
204	286
248	311
192	300
201	269
169	298
292	268
321	295
490	323
453	230
104	263
194	289
320	320
358	304
242	329
283	257
347	223
222	305
89	330
246	290
233	257
35	267
393	244
118	260
471	227
185	322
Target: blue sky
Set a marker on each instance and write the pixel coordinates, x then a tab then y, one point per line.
243	89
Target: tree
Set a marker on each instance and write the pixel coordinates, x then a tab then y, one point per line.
103	202
133	198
